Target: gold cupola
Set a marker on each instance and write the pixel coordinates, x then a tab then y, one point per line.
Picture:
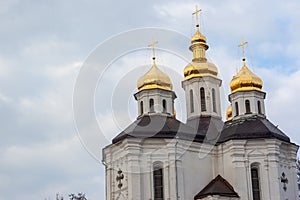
229	113
245	79
199	66
154	78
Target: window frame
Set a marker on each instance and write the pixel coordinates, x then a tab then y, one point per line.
214	105
202	99
164	105
158	178
151	105
192	108
248	106
236	104
256	191
141	108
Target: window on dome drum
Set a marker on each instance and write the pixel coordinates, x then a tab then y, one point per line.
255	182
158	181
191	101
236	109
247	104
259	107
202	98
213	92
164	103
142	107
151	104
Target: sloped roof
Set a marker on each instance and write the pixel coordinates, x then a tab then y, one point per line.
202	129
208	127
251	128
218	186
158	126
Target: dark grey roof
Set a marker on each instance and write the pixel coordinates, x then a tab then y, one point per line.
158	126
218	186
202	129
251	128
209	127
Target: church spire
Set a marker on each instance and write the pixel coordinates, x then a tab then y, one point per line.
246	97
243	44
154	78
201	82
153	43
155	91
245	79
197	19
198	41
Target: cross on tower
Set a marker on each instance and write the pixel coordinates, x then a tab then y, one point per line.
119	178
196	13
153	43
243	44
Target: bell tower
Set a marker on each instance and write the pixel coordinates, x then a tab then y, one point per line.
201	82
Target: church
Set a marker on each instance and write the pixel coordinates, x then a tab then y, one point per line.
158	157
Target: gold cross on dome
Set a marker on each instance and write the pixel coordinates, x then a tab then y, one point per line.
243	44
196	13
153	43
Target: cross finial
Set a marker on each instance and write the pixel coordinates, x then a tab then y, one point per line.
197	19
153	43
243	44
119	178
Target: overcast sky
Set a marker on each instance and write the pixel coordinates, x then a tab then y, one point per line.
45	44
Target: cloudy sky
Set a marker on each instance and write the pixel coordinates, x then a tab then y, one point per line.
45	46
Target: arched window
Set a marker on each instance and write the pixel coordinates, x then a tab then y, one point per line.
158	181
236	109
202	98
141	107
255	181
151	105
213	93
164	103
259	107
191	101
247	105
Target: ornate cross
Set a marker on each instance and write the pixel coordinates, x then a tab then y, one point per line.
153	43
119	178
196	13
243	44
284	180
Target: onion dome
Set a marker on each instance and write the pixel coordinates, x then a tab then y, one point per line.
154	79
198	38
199	69
245	80
199	66
229	113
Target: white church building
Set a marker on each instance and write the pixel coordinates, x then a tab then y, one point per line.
158	157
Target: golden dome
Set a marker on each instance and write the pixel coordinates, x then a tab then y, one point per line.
154	79
198	37
245	80
199	66
199	69
229	113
